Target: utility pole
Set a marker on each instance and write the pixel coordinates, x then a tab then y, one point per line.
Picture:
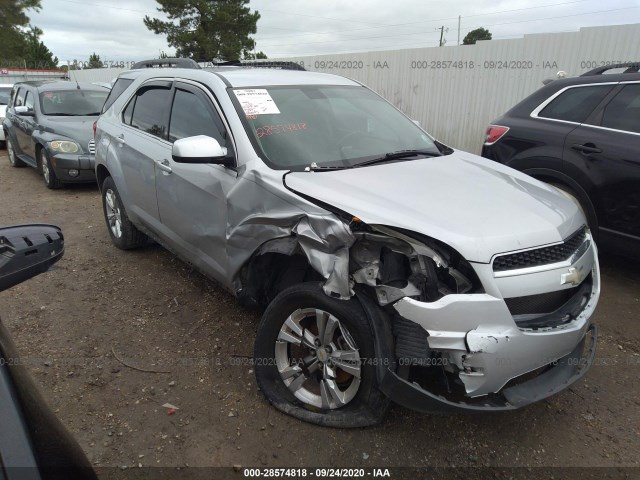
442	32
459	19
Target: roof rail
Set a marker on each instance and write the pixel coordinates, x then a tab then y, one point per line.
166	63
277	64
631	67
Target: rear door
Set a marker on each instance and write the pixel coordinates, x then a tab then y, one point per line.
142	141
17	121
192	198
607	148
28	125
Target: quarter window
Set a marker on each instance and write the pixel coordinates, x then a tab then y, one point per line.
117	89
623	112
575	104
192	115
150	111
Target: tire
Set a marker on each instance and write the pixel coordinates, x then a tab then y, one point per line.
46	170
11	153
123	233
293	315
585	206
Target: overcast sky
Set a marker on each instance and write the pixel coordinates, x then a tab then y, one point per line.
73	29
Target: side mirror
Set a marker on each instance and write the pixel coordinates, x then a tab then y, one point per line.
27	251
200	149
24	111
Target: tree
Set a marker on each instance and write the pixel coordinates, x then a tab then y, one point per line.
256	56
94	61
12	21
36	54
207	29
478	34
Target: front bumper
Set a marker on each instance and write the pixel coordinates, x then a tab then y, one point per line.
83	163
478	339
562	374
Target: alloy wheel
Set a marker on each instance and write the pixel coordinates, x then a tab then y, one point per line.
113	213
318	359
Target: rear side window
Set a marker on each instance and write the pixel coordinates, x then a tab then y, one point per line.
20	98
575	104
151	110
193	115
623	112
117	89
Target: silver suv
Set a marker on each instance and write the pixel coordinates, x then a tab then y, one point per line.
391	266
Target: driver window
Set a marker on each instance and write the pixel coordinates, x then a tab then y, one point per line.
28	101
19	98
191	116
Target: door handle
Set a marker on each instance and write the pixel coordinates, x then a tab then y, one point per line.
163	165
586	148
120	139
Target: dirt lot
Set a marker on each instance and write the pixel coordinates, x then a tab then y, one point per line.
155	313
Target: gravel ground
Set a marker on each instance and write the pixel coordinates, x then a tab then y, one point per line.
153	312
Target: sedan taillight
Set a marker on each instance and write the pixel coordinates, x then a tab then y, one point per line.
94	129
494	133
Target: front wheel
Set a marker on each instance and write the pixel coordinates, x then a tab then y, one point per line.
48	174
315	359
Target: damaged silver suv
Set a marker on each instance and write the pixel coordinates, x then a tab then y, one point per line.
390	266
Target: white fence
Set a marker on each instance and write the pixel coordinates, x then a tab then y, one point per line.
455	92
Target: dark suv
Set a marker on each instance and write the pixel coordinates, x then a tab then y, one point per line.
582	134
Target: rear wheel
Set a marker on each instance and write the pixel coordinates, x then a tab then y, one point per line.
315	359
122	231
585	206
13	159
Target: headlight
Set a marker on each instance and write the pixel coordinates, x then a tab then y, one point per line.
64	146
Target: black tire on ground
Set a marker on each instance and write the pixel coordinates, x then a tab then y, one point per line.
11	153
369	404
46	170
129	236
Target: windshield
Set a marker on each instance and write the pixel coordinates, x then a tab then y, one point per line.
5	95
329	126
72	102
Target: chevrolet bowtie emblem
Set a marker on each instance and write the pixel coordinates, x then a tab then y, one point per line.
573	276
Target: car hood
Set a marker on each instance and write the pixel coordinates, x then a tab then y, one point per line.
476	206
79	129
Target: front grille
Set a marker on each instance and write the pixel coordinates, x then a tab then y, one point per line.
92	147
550	310
541	256
539	304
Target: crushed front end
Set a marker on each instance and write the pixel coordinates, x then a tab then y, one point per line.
481	336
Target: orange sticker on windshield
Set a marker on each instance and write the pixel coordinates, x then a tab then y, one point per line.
281	128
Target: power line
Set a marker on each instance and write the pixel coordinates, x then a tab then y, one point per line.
430	21
262	45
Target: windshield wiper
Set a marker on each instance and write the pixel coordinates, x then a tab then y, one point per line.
314	167
400	154
61	114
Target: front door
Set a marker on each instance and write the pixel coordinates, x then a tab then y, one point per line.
192	198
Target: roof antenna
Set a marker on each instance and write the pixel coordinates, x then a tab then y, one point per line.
77	84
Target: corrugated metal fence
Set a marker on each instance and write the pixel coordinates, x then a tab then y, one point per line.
455	92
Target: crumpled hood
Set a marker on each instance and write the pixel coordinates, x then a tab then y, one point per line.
79	129
477	206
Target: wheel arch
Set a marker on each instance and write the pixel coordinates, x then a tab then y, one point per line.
558	178
102	173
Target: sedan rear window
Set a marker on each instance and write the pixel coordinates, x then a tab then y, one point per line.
72	103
